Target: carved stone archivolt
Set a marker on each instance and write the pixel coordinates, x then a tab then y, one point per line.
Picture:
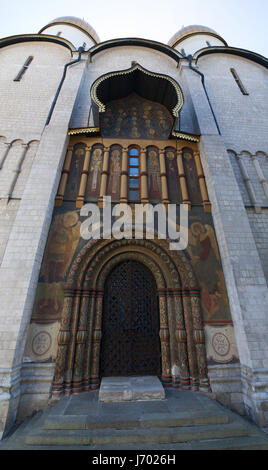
182	339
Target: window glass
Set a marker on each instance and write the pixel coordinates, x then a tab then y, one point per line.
134	161
133	195
133	171
133	183
133	151
23	69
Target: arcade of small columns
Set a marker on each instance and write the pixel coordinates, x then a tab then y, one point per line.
126	144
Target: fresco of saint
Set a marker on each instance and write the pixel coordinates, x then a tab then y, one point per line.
61	245
191	177
205	257
174	192
94	178
154	175
73	183
134	117
114	174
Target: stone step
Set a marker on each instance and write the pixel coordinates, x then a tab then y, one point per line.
140	436
122	389
146	420
234	443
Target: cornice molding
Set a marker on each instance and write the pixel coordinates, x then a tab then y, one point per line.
84	130
159	46
233	51
36	37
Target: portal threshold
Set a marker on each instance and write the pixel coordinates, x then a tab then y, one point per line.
116	389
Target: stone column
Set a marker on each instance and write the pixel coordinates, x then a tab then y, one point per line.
181	338
81	339
89	343
164	339
124	177
72	343
172	336
199	339
84	177
4	154
248	183
163	176
202	183
96	341
143	177
64	337
262	179
192	359
104	175
17	171
64	176
182	180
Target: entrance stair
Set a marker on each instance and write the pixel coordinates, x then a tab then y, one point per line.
184	420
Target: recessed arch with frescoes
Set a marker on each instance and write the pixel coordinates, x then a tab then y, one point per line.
181	335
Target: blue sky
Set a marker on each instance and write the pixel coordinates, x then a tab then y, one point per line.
242	23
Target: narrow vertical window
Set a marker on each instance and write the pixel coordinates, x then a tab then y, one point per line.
23	69
238	81
134	174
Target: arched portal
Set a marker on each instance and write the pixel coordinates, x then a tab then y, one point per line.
182	342
130	342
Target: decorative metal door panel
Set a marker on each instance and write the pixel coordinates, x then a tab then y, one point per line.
130	326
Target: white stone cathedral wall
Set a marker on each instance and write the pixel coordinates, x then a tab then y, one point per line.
243	124
242	118
24	109
25	104
36	188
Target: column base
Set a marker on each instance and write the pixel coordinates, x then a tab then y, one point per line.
207	206
79	202
58	200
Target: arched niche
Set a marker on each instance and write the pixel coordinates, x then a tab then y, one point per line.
183	356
